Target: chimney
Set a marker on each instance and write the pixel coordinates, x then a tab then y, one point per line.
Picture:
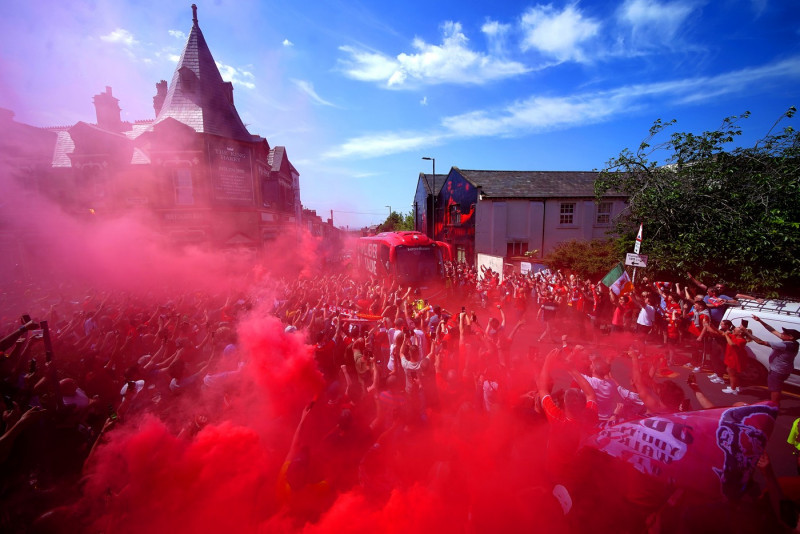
161	95
107	110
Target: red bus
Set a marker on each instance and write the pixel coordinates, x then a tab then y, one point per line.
409	257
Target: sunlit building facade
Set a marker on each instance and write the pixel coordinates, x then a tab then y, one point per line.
194	173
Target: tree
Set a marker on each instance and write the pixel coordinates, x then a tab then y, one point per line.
397	222
730	213
587	259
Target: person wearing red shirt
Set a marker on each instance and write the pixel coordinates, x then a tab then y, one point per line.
700	317
568	424
734	357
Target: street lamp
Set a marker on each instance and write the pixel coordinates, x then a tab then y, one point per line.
433	190
390	211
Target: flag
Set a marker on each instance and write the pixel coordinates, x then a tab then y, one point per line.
616	278
638	244
711	451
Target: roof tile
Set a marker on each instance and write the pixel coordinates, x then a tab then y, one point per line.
197	95
533	184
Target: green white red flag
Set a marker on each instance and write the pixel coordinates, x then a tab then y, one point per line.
616	279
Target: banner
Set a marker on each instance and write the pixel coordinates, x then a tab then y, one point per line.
712	451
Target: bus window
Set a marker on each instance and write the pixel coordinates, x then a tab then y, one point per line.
416	264
383	259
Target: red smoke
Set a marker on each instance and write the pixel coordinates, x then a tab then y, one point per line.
462	470
218	481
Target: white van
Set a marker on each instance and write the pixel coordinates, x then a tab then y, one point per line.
776	313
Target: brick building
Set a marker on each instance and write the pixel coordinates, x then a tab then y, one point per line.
194	172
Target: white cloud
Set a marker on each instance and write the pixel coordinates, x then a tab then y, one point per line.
544	113
536	114
287	43
450	62
496	36
120	36
174	58
559	34
236	76
651	20
178	34
424	101
368	66
308	88
370	146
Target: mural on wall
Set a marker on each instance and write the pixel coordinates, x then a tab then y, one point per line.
455	223
421	206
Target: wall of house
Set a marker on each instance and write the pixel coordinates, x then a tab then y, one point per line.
421	205
455	216
540	225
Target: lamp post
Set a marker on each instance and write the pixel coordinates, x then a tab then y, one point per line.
433	190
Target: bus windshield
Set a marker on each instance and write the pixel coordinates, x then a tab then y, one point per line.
417	264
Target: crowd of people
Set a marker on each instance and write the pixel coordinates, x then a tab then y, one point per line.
432	393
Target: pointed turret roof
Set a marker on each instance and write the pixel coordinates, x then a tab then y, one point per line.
197	95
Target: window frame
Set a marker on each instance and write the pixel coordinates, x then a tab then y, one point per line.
603	213
455	215
180	189
516	249
563	214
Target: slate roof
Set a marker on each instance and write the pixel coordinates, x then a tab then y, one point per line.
533	184
139	157
275	158
427	182
197	95
63	147
138	128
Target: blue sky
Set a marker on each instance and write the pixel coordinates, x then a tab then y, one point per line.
359	92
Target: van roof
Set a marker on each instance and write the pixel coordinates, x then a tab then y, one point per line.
778	307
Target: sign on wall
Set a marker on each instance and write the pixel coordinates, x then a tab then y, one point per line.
231	173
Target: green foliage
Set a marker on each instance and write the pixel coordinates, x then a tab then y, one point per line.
733	213
396	222
408	221
587	259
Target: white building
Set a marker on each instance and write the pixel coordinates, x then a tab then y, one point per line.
509	213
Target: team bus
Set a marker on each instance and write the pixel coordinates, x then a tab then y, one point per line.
409	257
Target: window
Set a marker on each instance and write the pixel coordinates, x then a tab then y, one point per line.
270	193
567	214
455	215
461	254
182	182
604	213
516	248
